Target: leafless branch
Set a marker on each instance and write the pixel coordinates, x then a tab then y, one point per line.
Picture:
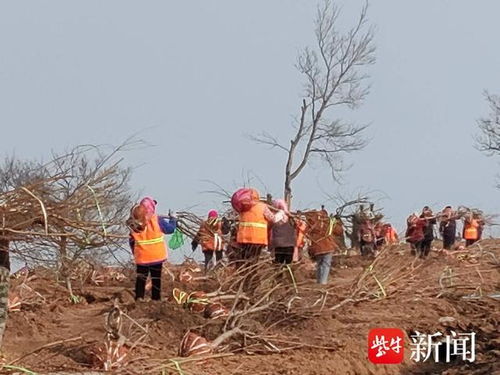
334	77
489	139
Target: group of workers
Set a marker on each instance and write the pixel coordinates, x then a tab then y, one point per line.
270	225
420	229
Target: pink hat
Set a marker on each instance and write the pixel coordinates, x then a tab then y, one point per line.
281	204
149	204
213	213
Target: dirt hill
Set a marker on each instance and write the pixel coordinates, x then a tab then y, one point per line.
47	332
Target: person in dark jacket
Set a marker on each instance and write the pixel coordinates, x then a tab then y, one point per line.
283	235
367	238
448	227
415	233
430	221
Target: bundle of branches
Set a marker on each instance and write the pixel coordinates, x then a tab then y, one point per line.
472	274
353	211
265	301
59	211
462	211
389	273
469	273
188	223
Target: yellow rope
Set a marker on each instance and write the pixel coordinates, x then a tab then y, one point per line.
98	209
177	366
379	283
293	279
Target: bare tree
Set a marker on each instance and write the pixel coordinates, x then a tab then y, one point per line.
334	79
489	139
68	209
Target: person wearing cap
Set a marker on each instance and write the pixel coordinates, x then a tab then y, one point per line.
148	246
209	236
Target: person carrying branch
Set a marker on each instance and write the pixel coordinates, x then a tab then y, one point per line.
390	234
430	221
415	233
283	234
322	245
253	224
448	227
209	236
367	238
471	229
148	246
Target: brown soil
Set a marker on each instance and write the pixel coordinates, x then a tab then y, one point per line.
344	330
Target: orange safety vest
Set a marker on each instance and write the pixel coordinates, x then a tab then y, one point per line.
301	232
391	236
149	246
252	228
210	235
470	230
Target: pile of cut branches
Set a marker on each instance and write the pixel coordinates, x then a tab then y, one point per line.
470	273
55	212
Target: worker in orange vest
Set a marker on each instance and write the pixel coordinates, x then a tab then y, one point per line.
252	234
148	246
390	234
209	236
471	229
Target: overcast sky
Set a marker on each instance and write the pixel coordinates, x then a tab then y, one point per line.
195	76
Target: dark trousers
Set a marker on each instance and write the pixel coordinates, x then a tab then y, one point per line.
209	254
448	241
416	247
469	242
283	255
248	256
425	247
367	248
250	253
142	275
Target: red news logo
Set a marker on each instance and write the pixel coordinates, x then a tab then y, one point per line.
386	345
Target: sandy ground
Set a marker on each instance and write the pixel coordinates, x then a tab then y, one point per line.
79	328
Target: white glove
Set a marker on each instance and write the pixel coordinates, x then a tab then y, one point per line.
279	216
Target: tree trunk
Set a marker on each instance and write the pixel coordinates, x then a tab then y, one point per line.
4	253
65	266
4	285
288	190
4	300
